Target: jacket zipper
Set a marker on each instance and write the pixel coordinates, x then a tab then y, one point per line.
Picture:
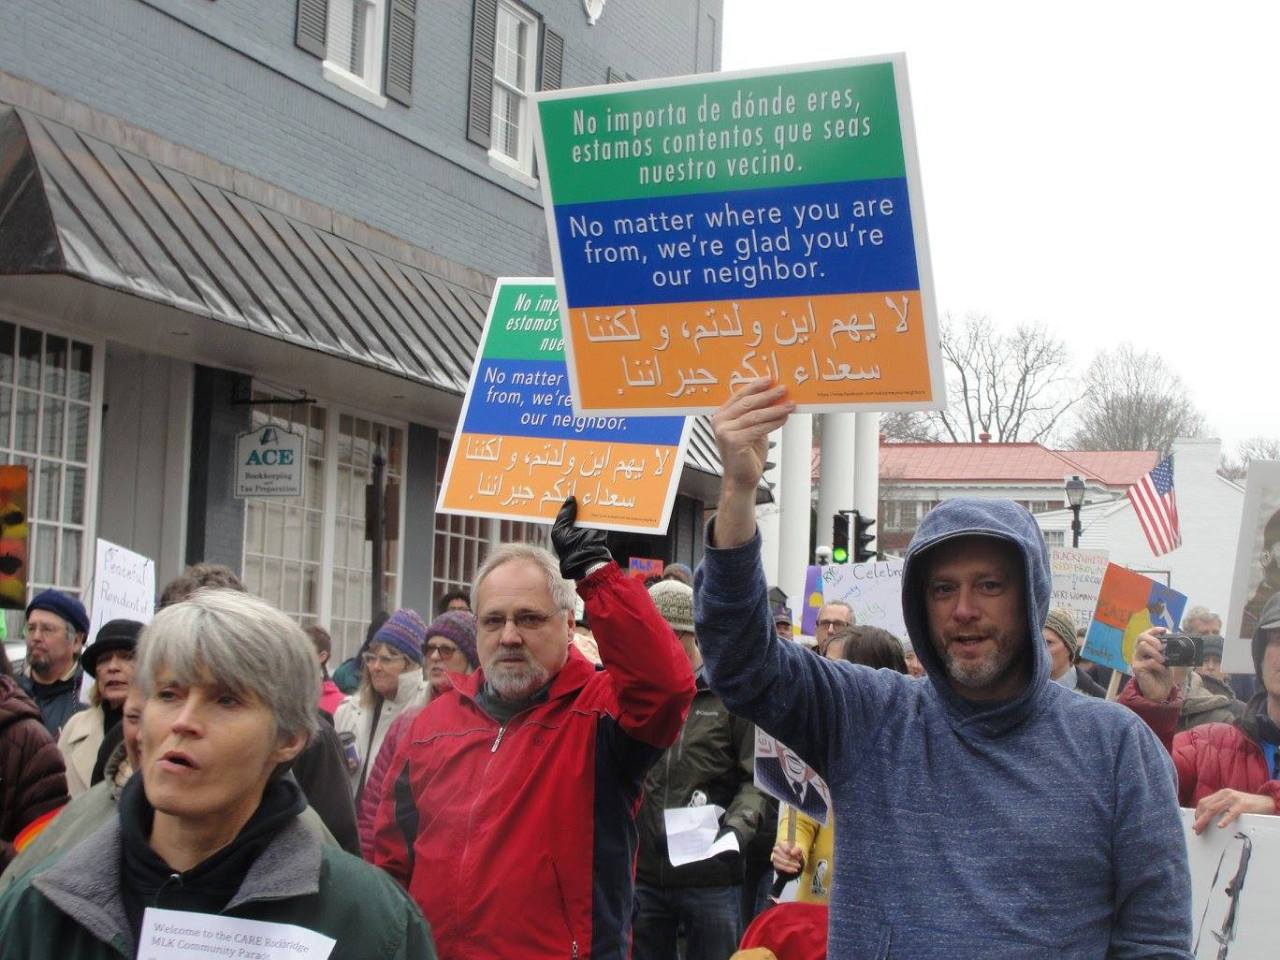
564	909
498	739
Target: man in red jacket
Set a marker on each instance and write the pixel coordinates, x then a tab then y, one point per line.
509	811
1224	769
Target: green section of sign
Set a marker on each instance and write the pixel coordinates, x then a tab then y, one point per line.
814	126
526	323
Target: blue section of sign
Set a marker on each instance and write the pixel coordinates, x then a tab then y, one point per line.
1104	645
530	398
811	240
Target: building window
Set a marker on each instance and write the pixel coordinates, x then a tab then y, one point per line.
46	401
1055	538
514	76
462	542
308	555
354	45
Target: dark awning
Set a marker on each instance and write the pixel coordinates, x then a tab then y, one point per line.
76	205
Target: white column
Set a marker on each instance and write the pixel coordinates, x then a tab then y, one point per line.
796	485
866	471
768	518
835	486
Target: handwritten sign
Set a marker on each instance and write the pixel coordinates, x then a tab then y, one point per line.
812	600
520	449
1235	873
644	567
707	231
1128	605
1257	567
1077	578
182	934
872	590
124	586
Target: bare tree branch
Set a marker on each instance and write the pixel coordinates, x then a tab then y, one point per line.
1131	400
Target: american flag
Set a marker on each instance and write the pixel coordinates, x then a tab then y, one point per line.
1157	508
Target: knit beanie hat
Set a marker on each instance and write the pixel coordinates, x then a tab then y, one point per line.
458	627
1060	622
1213	645
674	601
64	605
404	632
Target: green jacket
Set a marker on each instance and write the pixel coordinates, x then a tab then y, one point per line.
72	908
713	762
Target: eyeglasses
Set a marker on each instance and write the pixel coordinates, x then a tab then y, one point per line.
833	624
383	659
524	620
42	629
442	650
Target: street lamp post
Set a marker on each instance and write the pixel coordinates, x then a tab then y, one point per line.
1075	497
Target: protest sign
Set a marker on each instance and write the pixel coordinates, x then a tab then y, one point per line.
124	587
1077	578
872	590
1257	570
781	774
710	230
1235	873
519	449
812	600
644	567
14	536
1128	604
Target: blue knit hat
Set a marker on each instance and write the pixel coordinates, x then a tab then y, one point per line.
405	632
64	605
458	626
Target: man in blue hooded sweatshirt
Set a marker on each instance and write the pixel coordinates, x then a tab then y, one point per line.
987	812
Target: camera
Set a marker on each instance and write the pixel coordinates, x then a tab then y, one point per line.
1183	650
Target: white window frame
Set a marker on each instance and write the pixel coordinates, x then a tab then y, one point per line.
369	85
520	167
88	546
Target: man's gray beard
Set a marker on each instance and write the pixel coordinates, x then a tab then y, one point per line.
516	681
985	673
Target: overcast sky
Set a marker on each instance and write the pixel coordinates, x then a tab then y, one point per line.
1108	169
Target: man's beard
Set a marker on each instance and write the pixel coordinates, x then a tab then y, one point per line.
516	679
980	674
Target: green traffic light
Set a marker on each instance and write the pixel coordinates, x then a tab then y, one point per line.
840	555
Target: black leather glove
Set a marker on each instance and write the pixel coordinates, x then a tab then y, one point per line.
578	548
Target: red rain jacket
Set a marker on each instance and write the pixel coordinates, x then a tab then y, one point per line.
520	841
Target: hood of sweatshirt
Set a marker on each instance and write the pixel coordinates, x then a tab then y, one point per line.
1002	520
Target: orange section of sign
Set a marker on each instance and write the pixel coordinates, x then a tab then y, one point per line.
856	348
617	484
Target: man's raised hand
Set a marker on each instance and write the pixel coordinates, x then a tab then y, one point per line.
742	426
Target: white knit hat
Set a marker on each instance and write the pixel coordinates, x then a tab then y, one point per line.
674	601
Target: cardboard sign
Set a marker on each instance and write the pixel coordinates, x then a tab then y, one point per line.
873	590
182	934
711	230
783	775
1128	604
270	463
15	537
520	449
812	600
1257	570
1235	873
1077	578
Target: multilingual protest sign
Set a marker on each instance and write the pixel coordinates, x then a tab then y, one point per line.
1257	566
710	230
520	449
872	590
1128	604
1077	578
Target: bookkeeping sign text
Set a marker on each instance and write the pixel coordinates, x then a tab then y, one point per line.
711	230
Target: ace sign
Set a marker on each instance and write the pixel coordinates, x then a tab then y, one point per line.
269	463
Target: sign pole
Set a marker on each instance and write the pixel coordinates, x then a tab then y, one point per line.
378	525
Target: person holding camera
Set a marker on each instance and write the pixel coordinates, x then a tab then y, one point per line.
1224	769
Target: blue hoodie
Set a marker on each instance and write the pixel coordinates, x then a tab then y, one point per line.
1044	826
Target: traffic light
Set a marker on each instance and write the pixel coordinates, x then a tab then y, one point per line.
862	538
840	539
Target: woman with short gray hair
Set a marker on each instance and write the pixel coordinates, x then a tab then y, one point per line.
212	826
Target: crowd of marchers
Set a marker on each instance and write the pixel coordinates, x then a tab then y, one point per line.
499	782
